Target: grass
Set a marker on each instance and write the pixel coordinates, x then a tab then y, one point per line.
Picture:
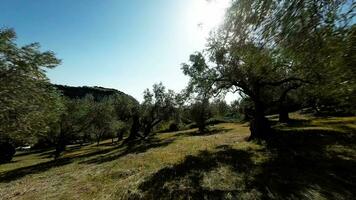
309	158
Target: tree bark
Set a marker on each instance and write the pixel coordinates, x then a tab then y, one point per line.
98	139
60	146
120	135
259	125
283	114
149	127
147	131
134	128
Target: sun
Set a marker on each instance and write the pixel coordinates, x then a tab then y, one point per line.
205	15
212	13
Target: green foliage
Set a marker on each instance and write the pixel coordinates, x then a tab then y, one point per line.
98	93
28	103
201	77
335	85
122	128
104	120
267	49
314	37
220	108
200	112
125	109
200	89
157	106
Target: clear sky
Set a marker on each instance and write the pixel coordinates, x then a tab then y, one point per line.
123	44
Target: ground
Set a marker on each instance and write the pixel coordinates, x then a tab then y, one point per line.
309	158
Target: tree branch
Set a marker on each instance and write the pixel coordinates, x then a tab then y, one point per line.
286	80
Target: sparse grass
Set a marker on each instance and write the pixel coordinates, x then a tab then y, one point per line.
310	158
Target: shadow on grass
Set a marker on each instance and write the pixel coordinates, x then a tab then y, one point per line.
298	122
33	169
36	151
299	165
44	166
211	131
165	183
137	146
307	164
109	154
69	148
342	125
292	123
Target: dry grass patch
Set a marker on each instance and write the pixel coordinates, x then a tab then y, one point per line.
312	158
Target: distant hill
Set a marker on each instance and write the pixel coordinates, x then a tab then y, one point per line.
97	92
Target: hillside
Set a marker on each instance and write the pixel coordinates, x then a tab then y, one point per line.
310	158
97	92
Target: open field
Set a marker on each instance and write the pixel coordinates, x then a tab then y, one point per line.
310	158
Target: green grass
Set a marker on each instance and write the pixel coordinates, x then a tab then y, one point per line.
309	158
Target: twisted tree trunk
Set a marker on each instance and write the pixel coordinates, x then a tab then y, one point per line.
60	145
135	127
283	114
259	126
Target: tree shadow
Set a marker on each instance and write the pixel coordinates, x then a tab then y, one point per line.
44	166
292	123
70	148
35	151
136	146
312	137
33	169
165	183
307	163
47	154
346	126
208	132
300	165
298	122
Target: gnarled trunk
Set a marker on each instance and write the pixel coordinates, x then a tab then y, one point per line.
60	145
134	128
7	151
259	126
283	114
149	127
147	130
120	135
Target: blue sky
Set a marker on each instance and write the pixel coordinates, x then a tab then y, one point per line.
128	45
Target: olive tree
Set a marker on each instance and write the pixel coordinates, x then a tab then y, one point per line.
263	49
158	105
28	103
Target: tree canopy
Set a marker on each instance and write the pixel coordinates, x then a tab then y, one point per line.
28	102
262	51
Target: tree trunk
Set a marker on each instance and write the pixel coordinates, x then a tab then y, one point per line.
120	135
149	127
259	125
283	114
134	128
202	126
202	129
84	139
60	146
147	130
98	141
